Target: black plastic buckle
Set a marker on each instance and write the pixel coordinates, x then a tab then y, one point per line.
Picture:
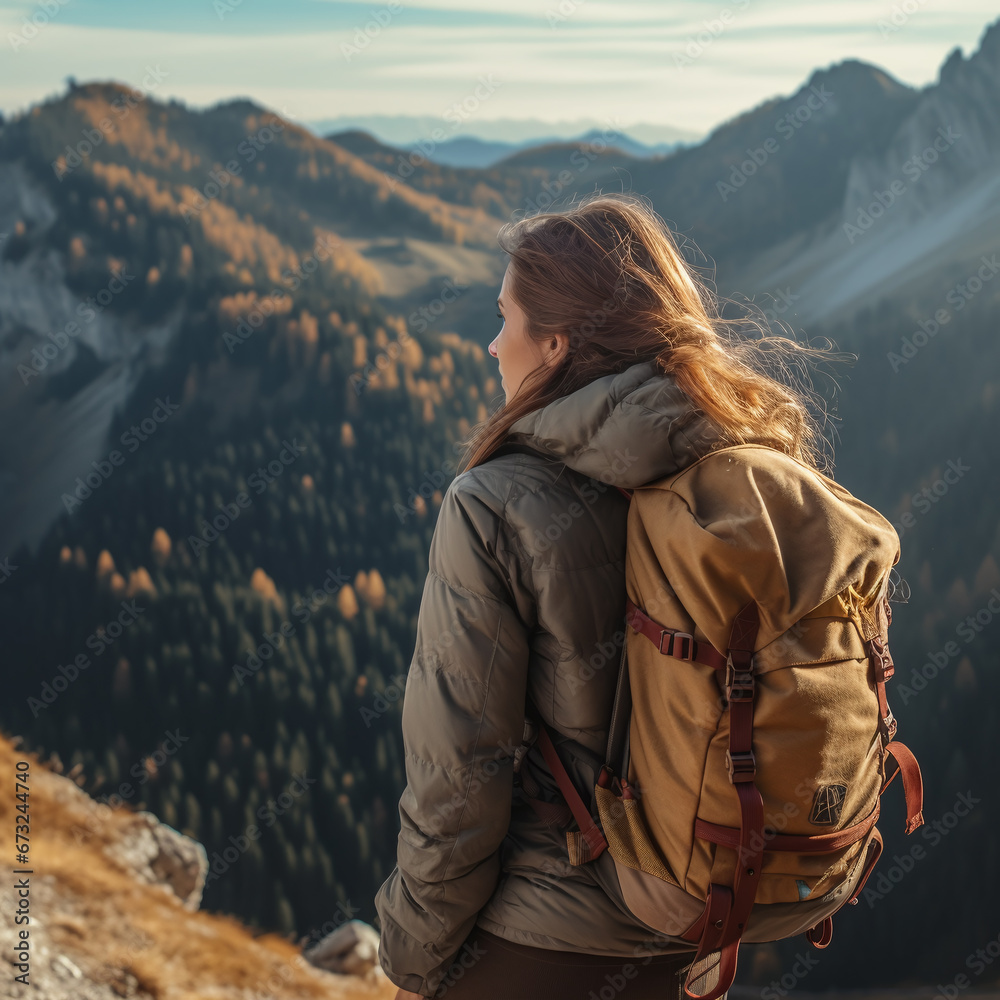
742	765
687	644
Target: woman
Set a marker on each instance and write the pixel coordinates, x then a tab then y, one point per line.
617	370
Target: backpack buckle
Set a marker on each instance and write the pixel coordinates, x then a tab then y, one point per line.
739	681
881	658
686	640
742	765
887	726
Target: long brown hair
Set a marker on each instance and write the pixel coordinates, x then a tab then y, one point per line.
607	272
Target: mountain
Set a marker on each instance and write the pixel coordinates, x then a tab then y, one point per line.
244	410
405	130
220	208
468	151
924	200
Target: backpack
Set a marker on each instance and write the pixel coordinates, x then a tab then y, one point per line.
750	736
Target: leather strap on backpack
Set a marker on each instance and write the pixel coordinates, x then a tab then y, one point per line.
591	842
671	641
728	910
913	783
588	842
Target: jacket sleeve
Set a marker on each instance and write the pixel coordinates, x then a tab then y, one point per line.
462	719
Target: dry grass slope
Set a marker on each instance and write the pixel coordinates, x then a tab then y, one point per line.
98	932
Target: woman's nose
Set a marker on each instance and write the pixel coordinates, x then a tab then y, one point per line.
493	348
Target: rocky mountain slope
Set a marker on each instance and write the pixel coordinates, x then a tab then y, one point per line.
110	909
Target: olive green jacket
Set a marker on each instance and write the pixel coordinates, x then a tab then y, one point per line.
525	595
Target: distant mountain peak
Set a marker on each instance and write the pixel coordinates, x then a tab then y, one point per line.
856	75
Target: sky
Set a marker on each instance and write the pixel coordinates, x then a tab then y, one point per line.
689	64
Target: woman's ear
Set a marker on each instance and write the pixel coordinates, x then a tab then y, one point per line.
558	347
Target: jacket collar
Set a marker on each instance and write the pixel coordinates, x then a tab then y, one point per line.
626	429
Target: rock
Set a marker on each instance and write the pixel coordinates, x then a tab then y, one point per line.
351	949
159	855
65	969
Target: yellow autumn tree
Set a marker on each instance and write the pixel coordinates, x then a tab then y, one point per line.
347	602
140	582
261	583
160	546
105	565
375	594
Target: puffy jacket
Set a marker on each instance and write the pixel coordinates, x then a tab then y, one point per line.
525	595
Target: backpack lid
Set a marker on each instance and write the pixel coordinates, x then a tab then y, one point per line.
748	522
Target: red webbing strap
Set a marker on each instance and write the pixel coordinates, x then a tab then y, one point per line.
874	852
882	670
588	828
671	641
821	935
821	843
556	814
913	783
742	770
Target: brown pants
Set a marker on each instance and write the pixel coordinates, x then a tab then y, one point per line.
491	968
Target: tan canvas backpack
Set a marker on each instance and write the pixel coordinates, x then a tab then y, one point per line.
750	737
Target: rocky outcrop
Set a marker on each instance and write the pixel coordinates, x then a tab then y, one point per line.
351	949
158	855
112	901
